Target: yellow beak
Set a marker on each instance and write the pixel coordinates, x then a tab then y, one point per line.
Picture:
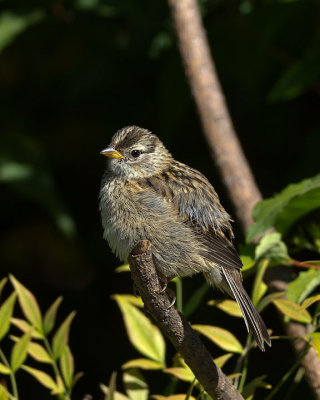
111	153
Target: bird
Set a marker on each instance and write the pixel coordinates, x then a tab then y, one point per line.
146	194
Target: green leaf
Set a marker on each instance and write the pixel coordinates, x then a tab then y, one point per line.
183	373
292	310
143	363
221	337
4	369
115	395
135	385
268	299
28	304
50	316
195	300
272	248
43	378
2	284
143	335
122	268
4	394
61	337
220	361
228	306
259	287
303	285
11	25
38	352
316	342
24	326
67	366
177	397
310	300
256	383
20	351
286	207
6	311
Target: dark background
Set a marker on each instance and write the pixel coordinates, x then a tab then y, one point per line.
71	74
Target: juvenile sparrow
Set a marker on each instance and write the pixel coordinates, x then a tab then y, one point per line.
147	194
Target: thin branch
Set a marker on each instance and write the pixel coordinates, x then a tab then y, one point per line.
175	327
222	138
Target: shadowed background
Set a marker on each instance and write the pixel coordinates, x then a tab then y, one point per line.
71	74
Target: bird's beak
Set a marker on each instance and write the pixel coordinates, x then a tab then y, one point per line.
111	153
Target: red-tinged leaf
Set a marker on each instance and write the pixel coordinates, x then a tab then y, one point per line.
60	339
28	304
50	316
6	311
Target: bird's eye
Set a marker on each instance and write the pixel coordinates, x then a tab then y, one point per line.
135	153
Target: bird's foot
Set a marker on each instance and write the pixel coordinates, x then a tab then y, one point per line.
164	280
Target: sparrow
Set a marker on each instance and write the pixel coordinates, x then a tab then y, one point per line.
146	194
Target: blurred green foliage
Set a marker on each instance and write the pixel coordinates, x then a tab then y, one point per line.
72	72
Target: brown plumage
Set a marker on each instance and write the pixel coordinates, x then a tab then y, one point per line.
146	194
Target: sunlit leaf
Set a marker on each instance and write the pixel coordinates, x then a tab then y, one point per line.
50	316
282	210
315	342
61	337
2	284
183	373
304	284
310	300
43	378
122	268
292	310
4	369
20	351
268	299
221	337
229	306
135	385
67	366
143	363
220	361
172	397
143	335
28	304
36	351
24	326
6	311
116	395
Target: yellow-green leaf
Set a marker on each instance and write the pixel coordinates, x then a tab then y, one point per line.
220	361
292	310
61	337
43	378
6	313
4	394
116	395
2	284
38	352
143	335
228	306
316	342
50	316
24	326
134	300
221	337
67	366
143	363
182	373
135	385
310	300
28	304
172	397
4	369
20	351
122	268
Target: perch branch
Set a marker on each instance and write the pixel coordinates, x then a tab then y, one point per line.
222	139
175	327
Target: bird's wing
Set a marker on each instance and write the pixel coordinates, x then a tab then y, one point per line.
198	205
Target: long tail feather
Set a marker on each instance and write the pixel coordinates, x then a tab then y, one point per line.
252	318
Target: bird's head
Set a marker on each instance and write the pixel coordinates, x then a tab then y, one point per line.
136	153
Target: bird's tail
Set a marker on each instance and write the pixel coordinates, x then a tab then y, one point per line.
251	316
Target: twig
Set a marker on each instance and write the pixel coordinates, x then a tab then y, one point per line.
175	327
222	138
